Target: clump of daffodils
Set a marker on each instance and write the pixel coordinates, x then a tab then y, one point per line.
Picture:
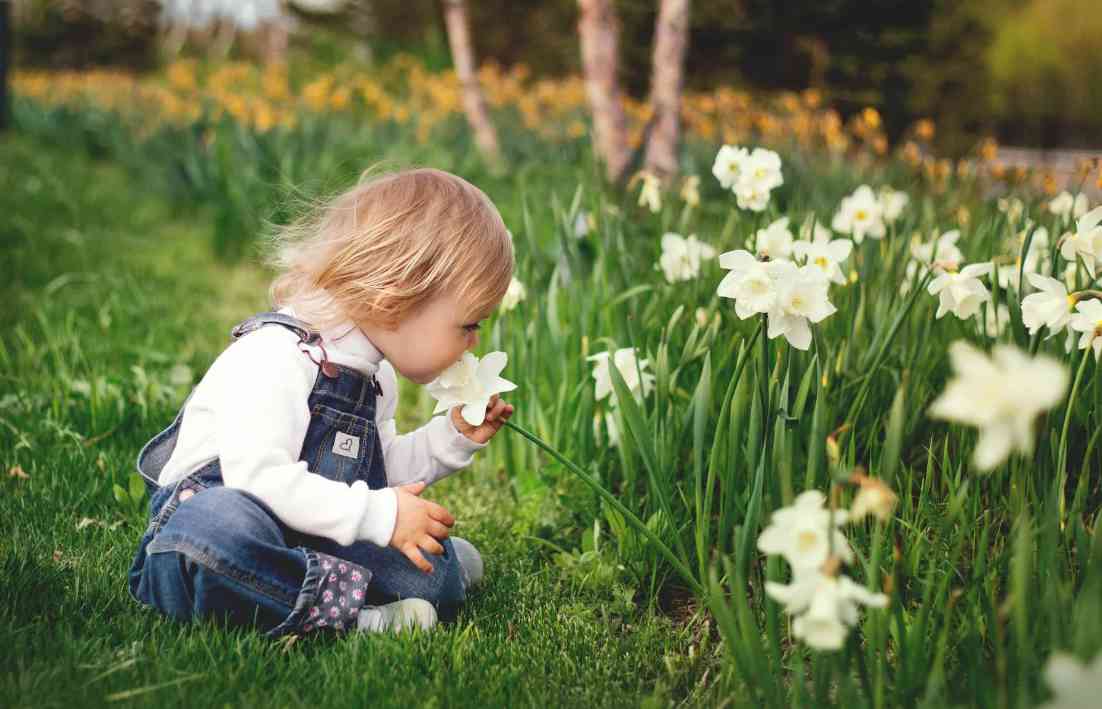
470	383
752	176
790	296
1000	395
822	601
682	256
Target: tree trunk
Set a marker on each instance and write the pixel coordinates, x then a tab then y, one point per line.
474	103
597	31
670	43
5	58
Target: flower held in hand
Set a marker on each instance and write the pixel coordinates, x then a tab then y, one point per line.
471	383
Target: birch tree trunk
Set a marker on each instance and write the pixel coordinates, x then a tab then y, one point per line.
667	79
598	32
474	103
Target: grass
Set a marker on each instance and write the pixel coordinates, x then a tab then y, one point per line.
986	574
113	308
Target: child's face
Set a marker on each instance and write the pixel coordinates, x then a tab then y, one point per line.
429	340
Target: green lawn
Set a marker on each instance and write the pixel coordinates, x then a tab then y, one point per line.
112	309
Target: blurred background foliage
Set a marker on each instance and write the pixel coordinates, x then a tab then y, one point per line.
1021	70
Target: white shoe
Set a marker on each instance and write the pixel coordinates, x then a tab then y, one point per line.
397	616
470	561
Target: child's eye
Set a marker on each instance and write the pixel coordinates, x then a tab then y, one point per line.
472	328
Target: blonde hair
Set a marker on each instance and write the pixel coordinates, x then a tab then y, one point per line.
385	247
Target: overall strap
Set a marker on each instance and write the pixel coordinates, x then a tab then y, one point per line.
305	333
306	336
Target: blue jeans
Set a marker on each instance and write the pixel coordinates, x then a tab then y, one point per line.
214	552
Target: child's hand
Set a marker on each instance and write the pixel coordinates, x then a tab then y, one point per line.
420	523
497	412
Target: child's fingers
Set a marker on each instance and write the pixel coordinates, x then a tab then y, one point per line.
498	411
431	546
414	555
440	514
438	529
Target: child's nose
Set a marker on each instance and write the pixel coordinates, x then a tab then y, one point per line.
474	341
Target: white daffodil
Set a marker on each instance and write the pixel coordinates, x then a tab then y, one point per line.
470	382
638	381
650	194
801	533
1086	242
1088	320
1001	395
751	283
1074	684
860	215
802	297
681	257
728	165
1050	307
513	295
961	292
825	606
1065	206
892	203
774	241
825	253
690	191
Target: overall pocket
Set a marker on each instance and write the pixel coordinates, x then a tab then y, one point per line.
338	445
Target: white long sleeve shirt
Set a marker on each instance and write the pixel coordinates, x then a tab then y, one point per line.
250	411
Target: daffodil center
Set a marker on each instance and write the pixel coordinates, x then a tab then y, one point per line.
806	541
822	262
861	215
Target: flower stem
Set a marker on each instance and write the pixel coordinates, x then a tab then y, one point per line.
1062	456
608	497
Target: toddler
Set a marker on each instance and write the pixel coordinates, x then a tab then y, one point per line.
282	495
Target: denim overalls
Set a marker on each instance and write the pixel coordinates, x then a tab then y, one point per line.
213	551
